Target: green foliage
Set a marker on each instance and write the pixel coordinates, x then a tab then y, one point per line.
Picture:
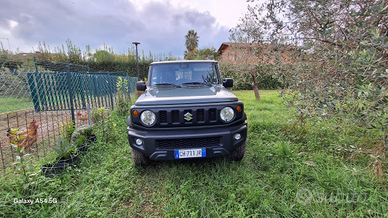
68	129
21	158
339	62
257	63
97	115
124	97
74	53
206	53
81	140
87	132
65	149
123	104
103	55
193	53
81	135
122	84
191	42
10	64
286	173
104	125
129	66
95	61
265	81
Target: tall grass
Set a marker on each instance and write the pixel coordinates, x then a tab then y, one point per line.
284	174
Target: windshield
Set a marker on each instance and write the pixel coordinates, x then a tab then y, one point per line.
183	73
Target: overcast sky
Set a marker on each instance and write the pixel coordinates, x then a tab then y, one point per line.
159	25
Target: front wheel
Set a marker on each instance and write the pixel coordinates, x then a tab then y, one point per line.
238	153
139	159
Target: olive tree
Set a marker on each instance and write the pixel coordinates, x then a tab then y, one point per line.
341	72
345	56
255	57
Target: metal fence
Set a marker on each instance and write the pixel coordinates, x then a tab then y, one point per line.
51	99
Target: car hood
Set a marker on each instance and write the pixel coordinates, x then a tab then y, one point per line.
185	95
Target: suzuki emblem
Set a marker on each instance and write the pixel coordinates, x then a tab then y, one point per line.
188	116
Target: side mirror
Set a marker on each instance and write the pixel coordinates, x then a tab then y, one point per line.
141	86
228	83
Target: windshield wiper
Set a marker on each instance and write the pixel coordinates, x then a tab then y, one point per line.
196	83
167	84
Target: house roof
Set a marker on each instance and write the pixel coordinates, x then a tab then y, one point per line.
225	45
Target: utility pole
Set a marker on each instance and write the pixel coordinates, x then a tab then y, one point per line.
137	60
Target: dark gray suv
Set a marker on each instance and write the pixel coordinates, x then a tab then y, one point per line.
186	112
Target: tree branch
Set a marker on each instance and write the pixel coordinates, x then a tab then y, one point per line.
325	41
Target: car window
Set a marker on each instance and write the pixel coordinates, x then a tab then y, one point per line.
179	73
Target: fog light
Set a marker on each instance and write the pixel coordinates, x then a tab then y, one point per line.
139	141
237	136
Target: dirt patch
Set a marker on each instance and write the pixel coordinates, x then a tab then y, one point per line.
49	122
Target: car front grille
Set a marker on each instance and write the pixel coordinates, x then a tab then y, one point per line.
187	117
189	143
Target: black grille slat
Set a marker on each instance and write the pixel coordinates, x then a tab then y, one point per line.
212	114
200	115
175	116
163	116
189	143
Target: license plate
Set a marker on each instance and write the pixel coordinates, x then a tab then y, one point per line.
189	153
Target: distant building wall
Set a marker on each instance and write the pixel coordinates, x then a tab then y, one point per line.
252	53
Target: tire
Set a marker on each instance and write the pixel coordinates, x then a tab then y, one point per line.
238	153
139	159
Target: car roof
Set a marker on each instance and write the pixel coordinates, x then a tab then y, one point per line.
184	61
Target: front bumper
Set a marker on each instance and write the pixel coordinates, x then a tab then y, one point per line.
160	145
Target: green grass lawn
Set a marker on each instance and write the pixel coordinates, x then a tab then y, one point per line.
284	174
9	103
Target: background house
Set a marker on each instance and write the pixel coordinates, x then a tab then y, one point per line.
232	52
254	53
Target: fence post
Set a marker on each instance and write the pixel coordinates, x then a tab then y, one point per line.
88	108
70	89
36	66
110	89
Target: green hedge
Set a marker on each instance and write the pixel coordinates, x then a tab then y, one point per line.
121	66
266	82
128	66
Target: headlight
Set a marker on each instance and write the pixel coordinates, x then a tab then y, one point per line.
227	114
148	118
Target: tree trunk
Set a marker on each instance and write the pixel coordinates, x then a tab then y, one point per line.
256	90
255	86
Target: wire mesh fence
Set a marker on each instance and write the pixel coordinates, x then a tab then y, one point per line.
48	100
